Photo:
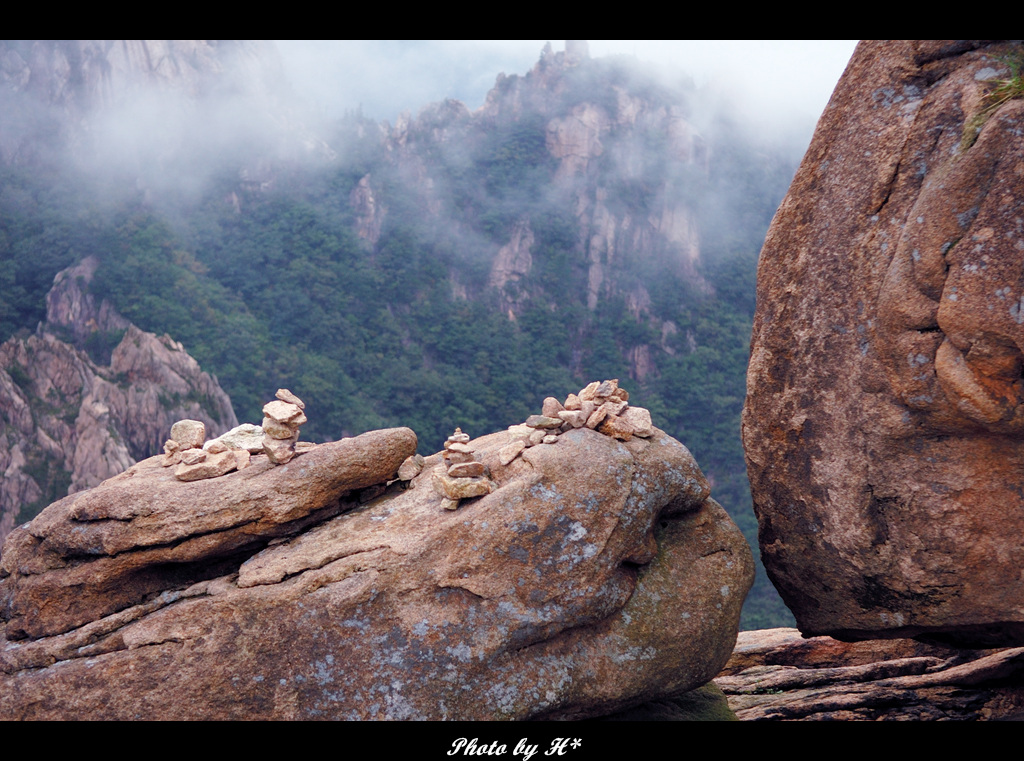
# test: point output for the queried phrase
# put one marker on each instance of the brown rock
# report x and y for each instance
(574, 418)
(280, 451)
(103, 550)
(615, 406)
(597, 417)
(287, 396)
(884, 410)
(452, 457)
(189, 434)
(509, 452)
(462, 488)
(458, 437)
(410, 468)
(284, 412)
(640, 421)
(618, 427)
(551, 407)
(211, 465)
(172, 453)
(543, 421)
(276, 430)
(521, 431)
(590, 392)
(597, 576)
(466, 470)
(193, 456)
(777, 675)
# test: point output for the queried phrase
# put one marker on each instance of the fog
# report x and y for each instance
(175, 134)
(775, 82)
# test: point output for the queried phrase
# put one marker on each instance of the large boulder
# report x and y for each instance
(885, 407)
(597, 575)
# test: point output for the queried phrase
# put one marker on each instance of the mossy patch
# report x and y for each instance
(1003, 90)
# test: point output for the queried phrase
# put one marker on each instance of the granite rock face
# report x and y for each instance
(885, 408)
(596, 576)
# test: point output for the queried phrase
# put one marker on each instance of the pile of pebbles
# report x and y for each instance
(282, 419)
(194, 461)
(278, 438)
(464, 475)
(601, 406)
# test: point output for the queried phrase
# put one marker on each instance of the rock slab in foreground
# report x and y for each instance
(144, 531)
(776, 675)
(885, 406)
(597, 576)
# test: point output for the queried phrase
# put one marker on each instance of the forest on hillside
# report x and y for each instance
(270, 285)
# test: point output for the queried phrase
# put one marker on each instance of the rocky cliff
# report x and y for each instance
(885, 401)
(593, 140)
(70, 422)
(590, 573)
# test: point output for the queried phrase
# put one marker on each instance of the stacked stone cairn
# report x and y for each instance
(601, 406)
(194, 462)
(278, 438)
(282, 419)
(464, 475)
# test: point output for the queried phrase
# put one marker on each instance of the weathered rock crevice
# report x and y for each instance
(776, 675)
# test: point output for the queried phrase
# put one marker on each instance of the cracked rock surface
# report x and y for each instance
(598, 575)
(777, 675)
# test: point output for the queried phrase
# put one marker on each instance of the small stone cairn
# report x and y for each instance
(186, 449)
(601, 406)
(464, 475)
(282, 419)
(278, 438)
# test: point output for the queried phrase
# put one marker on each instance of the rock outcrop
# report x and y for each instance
(885, 407)
(597, 575)
(776, 675)
(620, 159)
(69, 423)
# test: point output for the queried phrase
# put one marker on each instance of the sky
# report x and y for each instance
(775, 81)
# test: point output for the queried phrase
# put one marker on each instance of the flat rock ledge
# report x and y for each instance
(598, 575)
(777, 675)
